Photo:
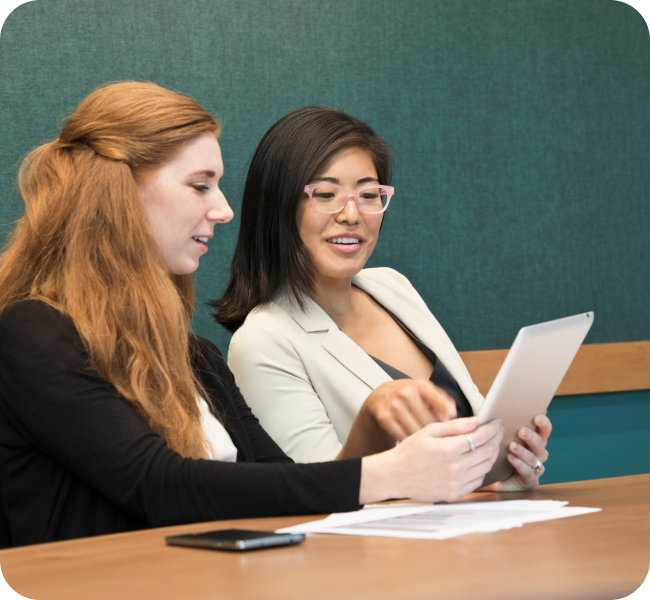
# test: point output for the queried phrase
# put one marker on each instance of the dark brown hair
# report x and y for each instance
(270, 256)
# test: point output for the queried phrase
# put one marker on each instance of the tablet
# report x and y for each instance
(528, 379)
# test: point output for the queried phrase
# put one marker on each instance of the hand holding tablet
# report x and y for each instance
(524, 387)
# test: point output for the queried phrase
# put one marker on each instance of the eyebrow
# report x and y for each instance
(205, 172)
(337, 181)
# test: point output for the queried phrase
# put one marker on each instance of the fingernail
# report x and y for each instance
(523, 433)
(512, 446)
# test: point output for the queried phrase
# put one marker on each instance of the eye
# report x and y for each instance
(200, 187)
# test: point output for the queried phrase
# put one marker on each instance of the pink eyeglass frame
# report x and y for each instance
(309, 190)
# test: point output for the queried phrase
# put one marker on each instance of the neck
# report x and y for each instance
(334, 296)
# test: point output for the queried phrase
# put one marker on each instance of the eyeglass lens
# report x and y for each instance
(330, 198)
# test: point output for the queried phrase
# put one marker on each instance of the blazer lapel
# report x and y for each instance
(353, 358)
(320, 327)
(323, 331)
(427, 329)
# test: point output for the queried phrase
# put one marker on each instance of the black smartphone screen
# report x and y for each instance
(235, 539)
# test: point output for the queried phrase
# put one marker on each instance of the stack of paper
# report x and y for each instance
(439, 521)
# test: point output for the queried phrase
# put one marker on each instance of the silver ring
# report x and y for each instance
(472, 447)
(538, 467)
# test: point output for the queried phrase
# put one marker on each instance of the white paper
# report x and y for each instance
(439, 521)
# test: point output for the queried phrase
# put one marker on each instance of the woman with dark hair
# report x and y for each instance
(336, 360)
(113, 416)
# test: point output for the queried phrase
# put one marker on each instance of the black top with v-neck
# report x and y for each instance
(440, 376)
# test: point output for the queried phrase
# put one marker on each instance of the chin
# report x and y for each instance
(344, 272)
(186, 269)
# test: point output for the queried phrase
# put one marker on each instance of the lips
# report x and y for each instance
(346, 244)
(201, 241)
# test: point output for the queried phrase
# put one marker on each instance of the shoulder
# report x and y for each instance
(40, 344)
(389, 278)
(26, 313)
(393, 290)
(269, 336)
(384, 275)
(265, 325)
(35, 325)
(274, 315)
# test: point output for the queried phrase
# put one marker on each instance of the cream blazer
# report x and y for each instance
(306, 380)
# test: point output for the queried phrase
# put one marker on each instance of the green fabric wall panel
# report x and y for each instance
(522, 130)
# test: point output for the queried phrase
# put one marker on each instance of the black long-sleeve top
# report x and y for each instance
(76, 460)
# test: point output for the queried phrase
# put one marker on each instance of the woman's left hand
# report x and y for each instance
(525, 459)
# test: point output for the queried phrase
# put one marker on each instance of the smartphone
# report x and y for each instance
(236, 540)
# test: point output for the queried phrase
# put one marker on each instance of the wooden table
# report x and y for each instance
(600, 555)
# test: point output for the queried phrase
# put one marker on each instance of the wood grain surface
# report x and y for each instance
(603, 555)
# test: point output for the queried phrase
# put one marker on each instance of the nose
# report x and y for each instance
(349, 213)
(220, 211)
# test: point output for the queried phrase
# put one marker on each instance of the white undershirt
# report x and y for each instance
(221, 445)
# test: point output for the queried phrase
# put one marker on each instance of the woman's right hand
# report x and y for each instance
(392, 412)
(403, 407)
(434, 464)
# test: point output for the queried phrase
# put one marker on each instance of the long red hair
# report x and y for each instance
(84, 247)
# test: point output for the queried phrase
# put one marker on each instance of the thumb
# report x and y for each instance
(454, 427)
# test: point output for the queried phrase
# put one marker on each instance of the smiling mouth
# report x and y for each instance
(344, 241)
(203, 240)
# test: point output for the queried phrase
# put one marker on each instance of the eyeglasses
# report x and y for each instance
(330, 198)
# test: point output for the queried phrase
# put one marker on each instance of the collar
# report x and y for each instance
(314, 319)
